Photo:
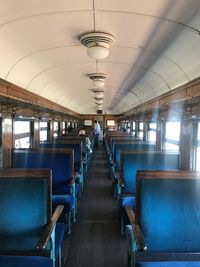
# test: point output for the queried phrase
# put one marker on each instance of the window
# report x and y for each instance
(197, 158)
(88, 122)
(172, 135)
(63, 127)
(133, 128)
(22, 134)
(43, 131)
(152, 132)
(140, 130)
(110, 122)
(55, 127)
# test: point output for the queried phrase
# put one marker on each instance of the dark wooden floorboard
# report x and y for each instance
(96, 239)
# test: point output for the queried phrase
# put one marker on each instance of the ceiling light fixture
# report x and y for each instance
(99, 101)
(98, 79)
(97, 43)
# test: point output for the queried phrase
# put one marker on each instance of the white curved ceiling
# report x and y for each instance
(157, 48)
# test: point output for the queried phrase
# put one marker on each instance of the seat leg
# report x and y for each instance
(68, 222)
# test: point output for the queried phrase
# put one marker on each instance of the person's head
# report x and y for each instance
(95, 121)
(81, 132)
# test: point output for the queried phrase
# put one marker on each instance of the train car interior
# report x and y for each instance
(99, 133)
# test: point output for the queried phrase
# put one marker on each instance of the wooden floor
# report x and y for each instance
(96, 239)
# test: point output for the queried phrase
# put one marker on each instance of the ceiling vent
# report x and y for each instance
(97, 44)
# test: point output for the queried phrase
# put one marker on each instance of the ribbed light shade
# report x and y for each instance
(99, 101)
(99, 94)
(97, 52)
(98, 83)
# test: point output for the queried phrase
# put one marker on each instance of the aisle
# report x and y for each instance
(96, 239)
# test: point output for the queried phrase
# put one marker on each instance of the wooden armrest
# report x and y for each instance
(49, 228)
(139, 238)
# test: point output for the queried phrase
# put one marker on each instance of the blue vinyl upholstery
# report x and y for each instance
(77, 147)
(141, 161)
(26, 210)
(24, 213)
(168, 214)
(61, 164)
(128, 147)
(25, 261)
(152, 160)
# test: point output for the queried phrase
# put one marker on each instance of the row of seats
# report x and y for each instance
(42, 180)
(159, 207)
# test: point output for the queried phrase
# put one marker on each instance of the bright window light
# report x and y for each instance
(173, 130)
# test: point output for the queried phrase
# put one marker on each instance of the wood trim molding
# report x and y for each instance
(15, 92)
(183, 92)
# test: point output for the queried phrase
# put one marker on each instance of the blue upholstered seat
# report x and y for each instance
(167, 220)
(128, 201)
(25, 261)
(169, 264)
(27, 224)
(131, 161)
(66, 200)
(60, 161)
(77, 148)
(59, 234)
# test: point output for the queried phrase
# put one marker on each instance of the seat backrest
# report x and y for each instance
(122, 138)
(132, 161)
(75, 145)
(168, 210)
(128, 146)
(60, 161)
(25, 204)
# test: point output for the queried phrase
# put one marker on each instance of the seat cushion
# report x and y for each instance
(59, 234)
(128, 201)
(169, 264)
(24, 261)
(66, 200)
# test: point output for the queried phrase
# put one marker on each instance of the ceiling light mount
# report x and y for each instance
(97, 44)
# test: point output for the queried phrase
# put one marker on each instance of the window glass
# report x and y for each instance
(198, 149)
(22, 142)
(22, 134)
(43, 131)
(152, 132)
(55, 125)
(172, 135)
(152, 125)
(133, 125)
(173, 130)
(141, 126)
(110, 122)
(152, 136)
(21, 127)
(198, 159)
(140, 134)
(170, 146)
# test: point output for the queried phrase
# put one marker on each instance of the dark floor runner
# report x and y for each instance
(96, 239)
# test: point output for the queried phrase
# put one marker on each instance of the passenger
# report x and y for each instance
(97, 130)
(87, 140)
(70, 129)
